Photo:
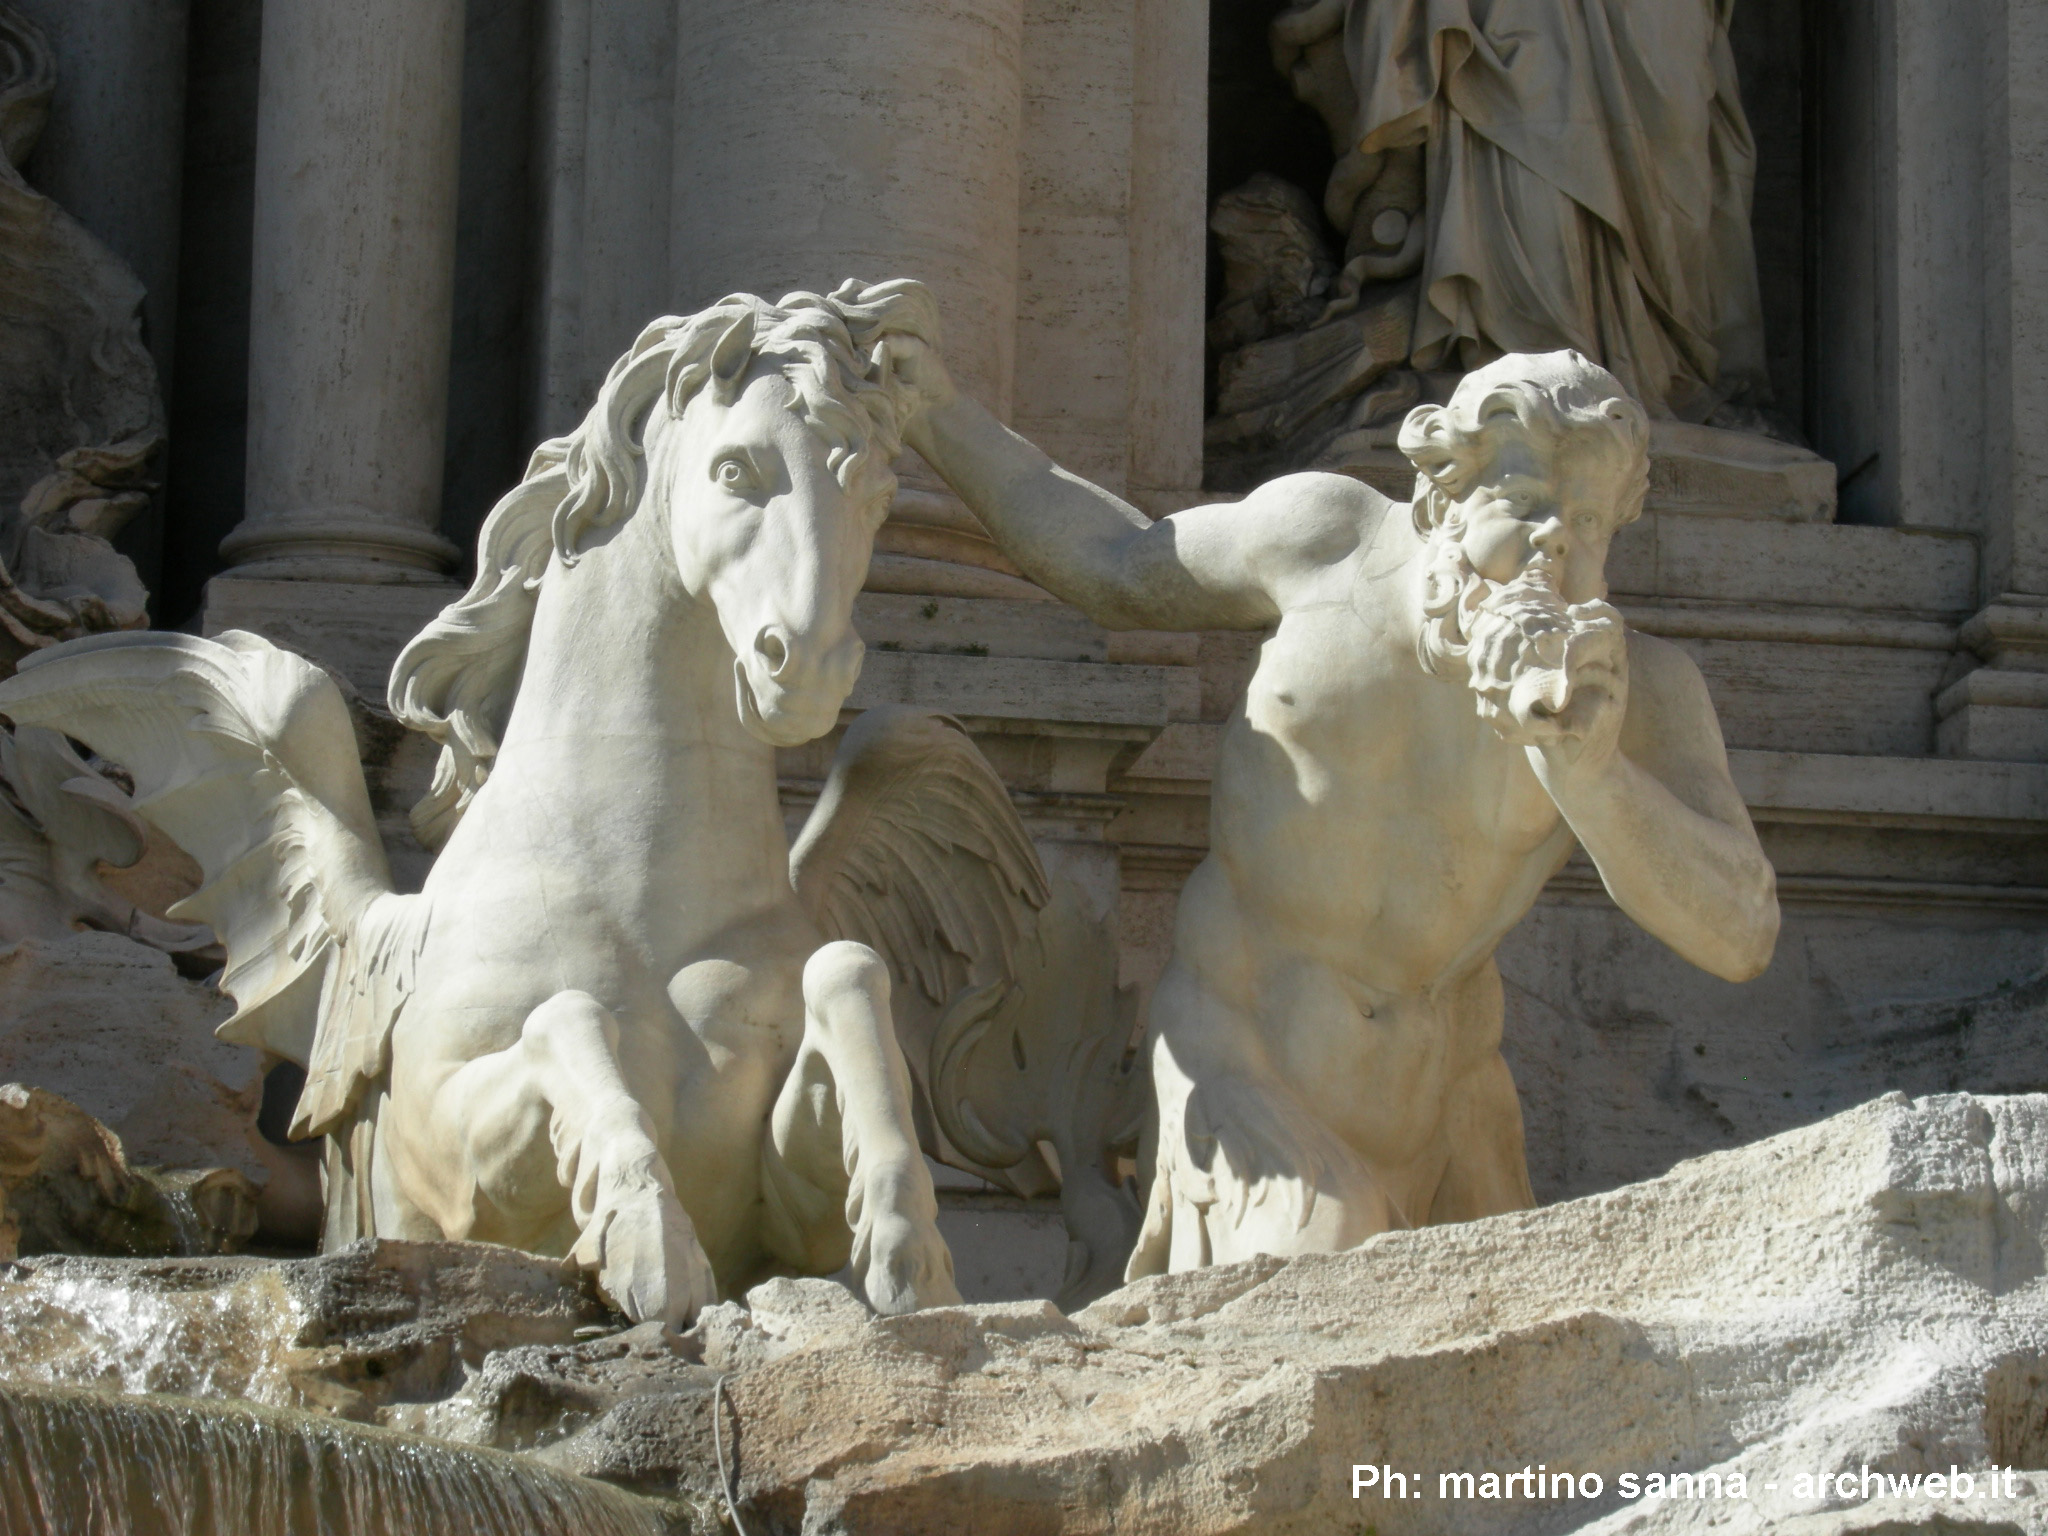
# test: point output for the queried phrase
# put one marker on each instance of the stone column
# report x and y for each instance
(358, 130)
(1932, 331)
(603, 139)
(1169, 215)
(1075, 362)
(2000, 709)
(822, 140)
(816, 140)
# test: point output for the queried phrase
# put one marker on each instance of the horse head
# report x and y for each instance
(762, 435)
(773, 468)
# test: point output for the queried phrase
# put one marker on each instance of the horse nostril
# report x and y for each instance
(773, 649)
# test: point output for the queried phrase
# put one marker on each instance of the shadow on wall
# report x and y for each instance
(1859, 1002)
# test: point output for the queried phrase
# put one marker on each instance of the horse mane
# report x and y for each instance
(458, 679)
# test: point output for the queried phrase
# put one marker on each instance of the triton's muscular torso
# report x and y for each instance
(1371, 840)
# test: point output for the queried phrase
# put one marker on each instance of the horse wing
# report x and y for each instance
(915, 850)
(245, 757)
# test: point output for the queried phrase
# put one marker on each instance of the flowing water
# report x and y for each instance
(85, 1463)
(220, 1330)
(145, 1400)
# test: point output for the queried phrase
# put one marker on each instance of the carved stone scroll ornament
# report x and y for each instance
(81, 423)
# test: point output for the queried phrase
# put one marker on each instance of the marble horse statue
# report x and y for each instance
(622, 1020)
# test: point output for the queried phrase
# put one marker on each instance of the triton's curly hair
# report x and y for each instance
(1549, 397)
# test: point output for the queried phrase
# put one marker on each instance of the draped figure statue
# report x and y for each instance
(1586, 173)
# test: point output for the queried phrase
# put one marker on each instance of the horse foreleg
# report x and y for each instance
(559, 1090)
(843, 1173)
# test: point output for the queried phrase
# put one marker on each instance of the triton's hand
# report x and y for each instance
(1549, 675)
(914, 365)
(1581, 739)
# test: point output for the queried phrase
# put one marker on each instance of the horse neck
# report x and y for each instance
(627, 736)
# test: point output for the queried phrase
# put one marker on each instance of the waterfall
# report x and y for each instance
(84, 1463)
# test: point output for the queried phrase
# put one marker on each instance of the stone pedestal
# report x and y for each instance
(358, 119)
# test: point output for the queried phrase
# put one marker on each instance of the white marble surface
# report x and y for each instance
(1444, 704)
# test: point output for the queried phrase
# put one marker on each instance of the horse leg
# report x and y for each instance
(842, 1173)
(558, 1091)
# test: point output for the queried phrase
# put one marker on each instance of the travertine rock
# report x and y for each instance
(1866, 1291)
(350, 1333)
(534, 1396)
(110, 1025)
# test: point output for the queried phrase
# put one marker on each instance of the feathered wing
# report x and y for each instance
(915, 850)
(244, 755)
(1005, 999)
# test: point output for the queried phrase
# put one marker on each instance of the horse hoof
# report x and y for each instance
(649, 1262)
(908, 1267)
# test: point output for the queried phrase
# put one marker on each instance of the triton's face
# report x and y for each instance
(1559, 507)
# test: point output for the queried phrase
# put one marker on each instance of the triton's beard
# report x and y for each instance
(1518, 644)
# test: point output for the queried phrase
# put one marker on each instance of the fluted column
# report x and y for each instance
(358, 130)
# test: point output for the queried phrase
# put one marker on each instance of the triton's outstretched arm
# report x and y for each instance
(1215, 567)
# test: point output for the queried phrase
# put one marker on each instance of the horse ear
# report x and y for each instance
(730, 356)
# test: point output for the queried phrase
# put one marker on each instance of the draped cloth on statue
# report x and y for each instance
(1590, 171)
